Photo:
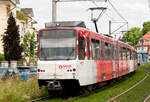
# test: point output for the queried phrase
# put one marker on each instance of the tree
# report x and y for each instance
(146, 27)
(2, 57)
(29, 46)
(20, 16)
(133, 36)
(11, 41)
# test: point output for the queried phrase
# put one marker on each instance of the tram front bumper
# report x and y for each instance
(54, 85)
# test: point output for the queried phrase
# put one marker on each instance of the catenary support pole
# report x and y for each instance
(54, 10)
(109, 27)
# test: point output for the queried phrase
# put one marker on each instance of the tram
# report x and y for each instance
(71, 56)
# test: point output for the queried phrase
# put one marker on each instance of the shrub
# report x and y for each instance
(2, 57)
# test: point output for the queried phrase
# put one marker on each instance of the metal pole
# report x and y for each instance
(54, 10)
(142, 44)
(95, 23)
(109, 27)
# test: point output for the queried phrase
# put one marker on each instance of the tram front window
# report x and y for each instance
(58, 44)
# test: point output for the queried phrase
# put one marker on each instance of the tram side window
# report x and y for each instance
(135, 55)
(132, 55)
(107, 51)
(120, 53)
(124, 53)
(115, 52)
(128, 54)
(95, 49)
(81, 48)
(88, 48)
(102, 50)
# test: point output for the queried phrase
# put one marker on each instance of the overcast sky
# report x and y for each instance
(134, 11)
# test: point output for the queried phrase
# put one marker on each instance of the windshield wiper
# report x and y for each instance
(43, 54)
(70, 54)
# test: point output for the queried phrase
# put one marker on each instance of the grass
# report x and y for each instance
(139, 93)
(111, 91)
(19, 91)
(114, 90)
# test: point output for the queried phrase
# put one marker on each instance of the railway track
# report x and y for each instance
(147, 99)
(116, 97)
(39, 99)
(95, 91)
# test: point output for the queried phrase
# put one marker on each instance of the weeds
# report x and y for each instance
(18, 91)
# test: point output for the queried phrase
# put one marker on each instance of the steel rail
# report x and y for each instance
(94, 91)
(147, 98)
(39, 99)
(116, 97)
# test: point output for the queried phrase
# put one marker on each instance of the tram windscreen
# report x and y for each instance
(58, 44)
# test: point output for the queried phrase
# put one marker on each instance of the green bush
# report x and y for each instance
(21, 61)
(2, 57)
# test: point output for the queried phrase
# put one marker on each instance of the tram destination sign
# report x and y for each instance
(80, 0)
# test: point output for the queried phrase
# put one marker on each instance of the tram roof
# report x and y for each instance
(65, 24)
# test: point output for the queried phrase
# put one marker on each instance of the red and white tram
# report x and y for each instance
(70, 55)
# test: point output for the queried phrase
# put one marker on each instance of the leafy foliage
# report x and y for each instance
(11, 40)
(29, 45)
(133, 36)
(146, 27)
(20, 16)
(2, 57)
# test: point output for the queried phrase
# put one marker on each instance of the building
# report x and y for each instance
(144, 43)
(29, 25)
(8, 6)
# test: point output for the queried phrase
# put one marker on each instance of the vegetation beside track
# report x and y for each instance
(140, 93)
(111, 91)
(19, 91)
(114, 89)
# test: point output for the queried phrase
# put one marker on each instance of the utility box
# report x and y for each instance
(4, 64)
(13, 64)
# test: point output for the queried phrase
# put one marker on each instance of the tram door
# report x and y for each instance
(87, 71)
(120, 69)
(115, 61)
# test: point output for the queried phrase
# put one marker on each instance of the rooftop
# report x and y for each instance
(146, 36)
(12, 1)
(28, 11)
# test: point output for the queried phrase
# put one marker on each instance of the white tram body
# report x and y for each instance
(82, 58)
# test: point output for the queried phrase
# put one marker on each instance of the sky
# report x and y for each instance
(134, 11)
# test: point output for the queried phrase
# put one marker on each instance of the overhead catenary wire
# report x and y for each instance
(117, 11)
(119, 28)
(79, 0)
(110, 17)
